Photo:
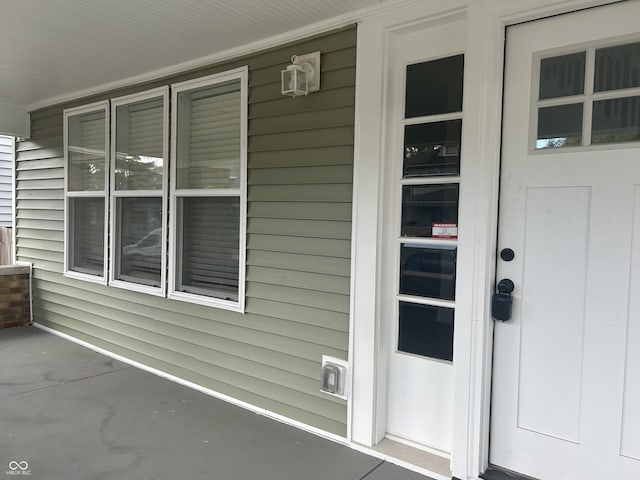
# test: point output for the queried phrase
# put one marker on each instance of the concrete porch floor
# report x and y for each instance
(72, 413)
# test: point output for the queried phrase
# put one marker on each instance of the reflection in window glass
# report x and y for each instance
(559, 126)
(208, 146)
(434, 87)
(139, 145)
(426, 330)
(428, 271)
(86, 152)
(562, 76)
(432, 149)
(424, 205)
(139, 255)
(616, 120)
(617, 67)
(86, 249)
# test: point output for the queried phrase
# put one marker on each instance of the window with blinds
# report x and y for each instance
(86, 130)
(138, 191)
(126, 196)
(208, 192)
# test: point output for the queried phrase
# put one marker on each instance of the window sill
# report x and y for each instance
(137, 287)
(206, 301)
(86, 277)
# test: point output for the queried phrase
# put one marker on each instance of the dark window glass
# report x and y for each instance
(428, 271)
(432, 149)
(424, 205)
(617, 67)
(139, 234)
(209, 244)
(616, 120)
(562, 76)
(86, 252)
(560, 126)
(426, 330)
(434, 87)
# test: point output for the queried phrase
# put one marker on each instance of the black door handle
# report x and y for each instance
(502, 301)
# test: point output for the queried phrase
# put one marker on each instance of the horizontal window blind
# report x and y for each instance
(209, 143)
(138, 194)
(210, 236)
(208, 190)
(139, 145)
(86, 153)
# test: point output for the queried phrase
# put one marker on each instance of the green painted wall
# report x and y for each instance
(298, 242)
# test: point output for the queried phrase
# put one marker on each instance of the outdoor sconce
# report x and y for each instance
(302, 76)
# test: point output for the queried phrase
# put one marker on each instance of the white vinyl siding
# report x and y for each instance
(6, 179)
(208, 190)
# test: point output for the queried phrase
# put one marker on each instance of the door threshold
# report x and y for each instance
(497, 473)
(426, 461)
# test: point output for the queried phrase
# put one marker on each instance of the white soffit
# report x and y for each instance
(50, 49)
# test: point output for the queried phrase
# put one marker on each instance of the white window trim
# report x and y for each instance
(114, 194)
(587, 98)
(239, 306)
(93, 107)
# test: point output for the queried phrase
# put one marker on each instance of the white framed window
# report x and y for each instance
(427, 244)
(586, 97)
(86, 133)
(139, 153)
(208, 190)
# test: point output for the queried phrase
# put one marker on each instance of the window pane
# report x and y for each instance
(616, 120)
(86, 235)
(139, 240)
(209, 246)
(426, 330)
(559, 126)
(86, 151)
(208, 153)
(562, 76)
(139, 145)
(434, 87)
(428, 271)
(617, 67)
(432, 149)
(424, 205)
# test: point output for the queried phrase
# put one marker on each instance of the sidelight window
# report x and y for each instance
(428, 231)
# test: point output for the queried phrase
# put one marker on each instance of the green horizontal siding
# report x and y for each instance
(298, 247)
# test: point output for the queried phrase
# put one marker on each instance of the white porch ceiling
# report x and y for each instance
(50, 49)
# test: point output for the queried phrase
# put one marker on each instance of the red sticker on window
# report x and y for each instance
(444, 230)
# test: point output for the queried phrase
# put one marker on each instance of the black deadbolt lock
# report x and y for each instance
(502, 300)
(507, 254)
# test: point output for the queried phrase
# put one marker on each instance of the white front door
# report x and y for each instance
(566, 384)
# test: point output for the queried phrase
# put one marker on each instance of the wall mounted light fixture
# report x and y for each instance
(302, 76)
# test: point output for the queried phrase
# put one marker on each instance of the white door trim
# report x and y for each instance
(486, 23)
